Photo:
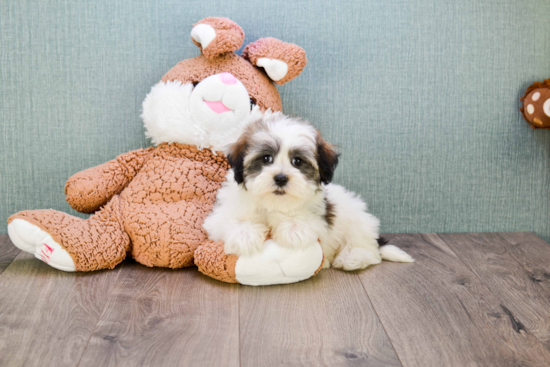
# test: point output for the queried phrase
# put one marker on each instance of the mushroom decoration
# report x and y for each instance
(536, 105)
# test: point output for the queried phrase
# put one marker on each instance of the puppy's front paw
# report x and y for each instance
(296, 235)
(246, 239)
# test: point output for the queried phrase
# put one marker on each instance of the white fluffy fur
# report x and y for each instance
(245, 213)
(176, 113)
(394, 253)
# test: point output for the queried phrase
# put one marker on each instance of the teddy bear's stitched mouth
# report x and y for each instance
(217, 107)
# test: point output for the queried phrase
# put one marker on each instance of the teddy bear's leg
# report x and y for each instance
(69, 243)
(212, 261)
(165, 235)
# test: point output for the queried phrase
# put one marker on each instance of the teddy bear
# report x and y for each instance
(151, 203)
(536, 105)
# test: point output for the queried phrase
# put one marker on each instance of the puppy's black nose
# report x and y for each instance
(280, 180)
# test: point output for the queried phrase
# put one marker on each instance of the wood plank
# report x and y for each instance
(164, 317)
(533, 253)
(438, 313)
(46, 315)
(493, 259)
(325, 321)
(8, 252)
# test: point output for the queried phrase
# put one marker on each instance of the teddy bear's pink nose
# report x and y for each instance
(228, 78)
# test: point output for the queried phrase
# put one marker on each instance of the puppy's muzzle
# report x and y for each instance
(280, 180)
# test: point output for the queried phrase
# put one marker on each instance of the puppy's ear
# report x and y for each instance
(235, 157)
(327, 159)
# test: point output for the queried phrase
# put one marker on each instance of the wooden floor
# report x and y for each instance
(468, 300)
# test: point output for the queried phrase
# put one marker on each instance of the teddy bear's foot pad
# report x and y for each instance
(279, 265)
(273, 265)
(30, 238)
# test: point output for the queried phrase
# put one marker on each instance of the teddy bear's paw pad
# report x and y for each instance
(54, 255)
(278, 265)
(30, 238)
(357, 258)
(25, 236)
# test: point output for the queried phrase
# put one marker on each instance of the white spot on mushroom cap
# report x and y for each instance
(546, 107)
(530, 109)
(536, 96)
(203, 34)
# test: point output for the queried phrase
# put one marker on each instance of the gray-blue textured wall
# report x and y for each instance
(421, 96)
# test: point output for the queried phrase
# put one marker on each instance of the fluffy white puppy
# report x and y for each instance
(279, 186)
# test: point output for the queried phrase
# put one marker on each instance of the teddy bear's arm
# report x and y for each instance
(92, 188)
(281, 61)
(216, 36)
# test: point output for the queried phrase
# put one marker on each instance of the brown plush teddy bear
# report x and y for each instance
(151, 202)
(536, 105)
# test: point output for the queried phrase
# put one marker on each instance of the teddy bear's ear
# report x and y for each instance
(281, 61)
(216, 36)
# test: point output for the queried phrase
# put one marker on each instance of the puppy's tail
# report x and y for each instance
(393, 253)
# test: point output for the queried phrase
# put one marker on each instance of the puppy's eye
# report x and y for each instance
(267, 159)
(297, 162)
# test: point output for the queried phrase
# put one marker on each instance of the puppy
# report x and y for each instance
(279, 186)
